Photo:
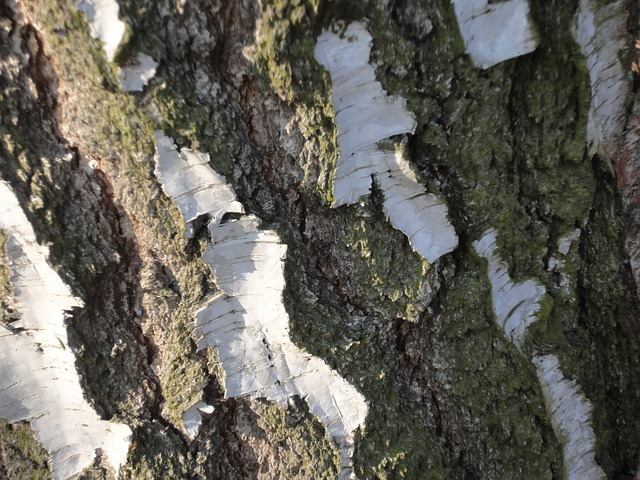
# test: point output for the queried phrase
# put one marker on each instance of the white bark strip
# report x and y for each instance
(515, 306)
(570, 415)
(194, 187)
(38, 379)
(495, 33)
(247, 322)
(600, 30)
(366, 115)
(364, 112)
(104, 23)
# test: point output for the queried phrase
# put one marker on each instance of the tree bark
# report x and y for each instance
(506, 148)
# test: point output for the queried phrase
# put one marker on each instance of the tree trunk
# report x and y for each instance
(540, 198)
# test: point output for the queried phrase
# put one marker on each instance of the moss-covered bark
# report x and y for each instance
(22, 456)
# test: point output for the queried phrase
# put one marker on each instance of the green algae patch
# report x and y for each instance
(400, 439)
(379, 264)
(283, 55)
(304, 449)
(157, 452)
(604, 337)
(109, 128)
(6, 290)
(492, 385)
(173, 287)
(22, 455)
(182, 371)
(196, 124)
(527, 174)
(182, 385)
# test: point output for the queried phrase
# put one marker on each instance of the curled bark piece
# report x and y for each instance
(421, 216)
(133, 78)
(193, 186)
(515, 304)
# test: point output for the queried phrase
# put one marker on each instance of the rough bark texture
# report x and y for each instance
(449, 396)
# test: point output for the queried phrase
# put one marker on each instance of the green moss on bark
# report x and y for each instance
(109, 126)
(157, 452)
(527, 174)
(400, 436)
(304, 449)
(452, 139)
(21, 454)
(283, 55)
(494, 386)
(6, 290)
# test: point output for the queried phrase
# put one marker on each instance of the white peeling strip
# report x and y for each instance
(493, 33)
(366, 115)
(247, 322)
(570, 415)
(515, 304)
(189, 181)
(133, 78)
(364, 112)
(421, 216)
(250, 327)
(38, 379)
(353, 178)
(600, 30)
(104, 23)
